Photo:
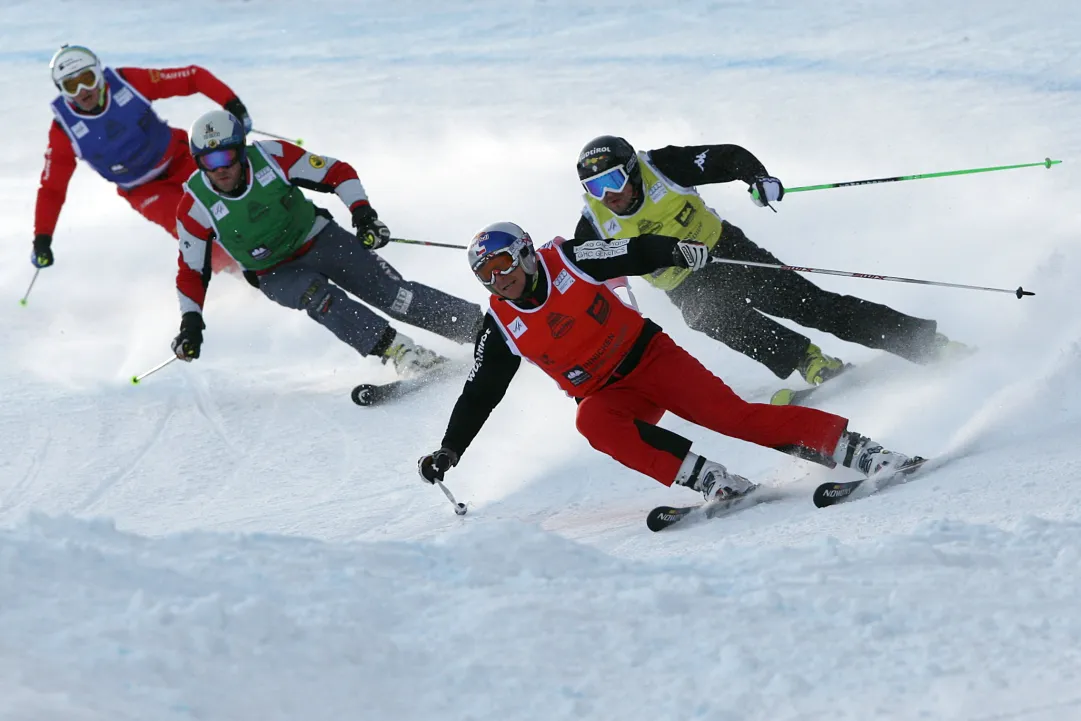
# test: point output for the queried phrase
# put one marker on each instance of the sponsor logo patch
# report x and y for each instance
(577, 376)
(156, 76)
(700, 160)
(657, 191)
(261, 252)
(123, 97)
(560, 324)
(612, 228)
(317, 162)
(645, 225)
(80, 129)
(686, 214)
(599, 249)
(517, 328)
(403, 300)
(218, 210)
(563, 281)
(599, 309)
(265, 176)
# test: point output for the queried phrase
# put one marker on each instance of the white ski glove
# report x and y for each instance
(690, 254)
(766, 190)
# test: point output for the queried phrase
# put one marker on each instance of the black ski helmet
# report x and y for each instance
(606, 152)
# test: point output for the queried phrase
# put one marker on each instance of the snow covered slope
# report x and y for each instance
(235, 540)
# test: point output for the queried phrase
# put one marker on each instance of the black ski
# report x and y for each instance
(370, 394)
(662, 517)
(829, 494)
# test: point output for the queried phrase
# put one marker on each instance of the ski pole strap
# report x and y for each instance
(427, 242)
(1046, 162)
(297, 141)
(1019, 292)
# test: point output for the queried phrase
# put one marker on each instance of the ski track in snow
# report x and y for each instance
(234, 539)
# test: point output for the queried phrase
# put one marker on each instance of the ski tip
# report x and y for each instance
(662, 517)
(828, 494)
(363, 395)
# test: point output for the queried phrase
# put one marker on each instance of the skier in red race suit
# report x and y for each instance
(553, 307)
(104, 116)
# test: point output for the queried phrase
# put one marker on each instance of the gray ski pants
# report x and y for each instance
(317, 282)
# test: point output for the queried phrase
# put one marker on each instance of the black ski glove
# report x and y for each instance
(432, 466)
(234, 106)
(42, 257)
(690, 254)
(371, 231)
(187, 343)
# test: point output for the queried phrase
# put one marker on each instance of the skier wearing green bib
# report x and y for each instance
(246, 198)
(631, 193)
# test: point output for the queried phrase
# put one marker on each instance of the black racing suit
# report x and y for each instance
(731, 303)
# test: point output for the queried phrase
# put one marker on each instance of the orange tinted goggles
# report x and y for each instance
(501, 263)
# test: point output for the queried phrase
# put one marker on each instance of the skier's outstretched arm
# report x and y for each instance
(690, 165)
(494, 366)
(607, 259)
(324, 174)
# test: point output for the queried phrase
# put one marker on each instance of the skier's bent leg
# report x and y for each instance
(620, 423)
(712, 304)
(302, 288)
(788, 294)
(365, 274)
(675, 380)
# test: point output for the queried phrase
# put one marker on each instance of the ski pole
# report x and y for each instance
(459, 508)
(1047, 163)
(298, 141)
(135, 379)
(1020, 292)
(22, 301)
(426, 242)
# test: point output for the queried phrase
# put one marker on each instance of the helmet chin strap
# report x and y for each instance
(636, 198)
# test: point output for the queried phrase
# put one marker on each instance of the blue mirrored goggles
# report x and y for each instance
(610, 181)
(218, 159)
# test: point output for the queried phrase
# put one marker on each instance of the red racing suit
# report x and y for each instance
(155, 200)
(633, 371)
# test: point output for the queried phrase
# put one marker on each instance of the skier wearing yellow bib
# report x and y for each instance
(631, 193)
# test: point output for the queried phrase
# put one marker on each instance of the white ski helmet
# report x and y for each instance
(74, 67)
(501, 239)
(216, 132)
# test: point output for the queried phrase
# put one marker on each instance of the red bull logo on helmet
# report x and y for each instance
(478, 242)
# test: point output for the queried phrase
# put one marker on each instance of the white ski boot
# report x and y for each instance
(712, 479)
(869, 457)
(410, 359)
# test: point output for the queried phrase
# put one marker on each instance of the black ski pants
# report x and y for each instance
(731, 303)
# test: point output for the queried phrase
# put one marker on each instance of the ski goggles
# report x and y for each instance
(217, 159)
(502, 262)
(73, 84)
(610, 181)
